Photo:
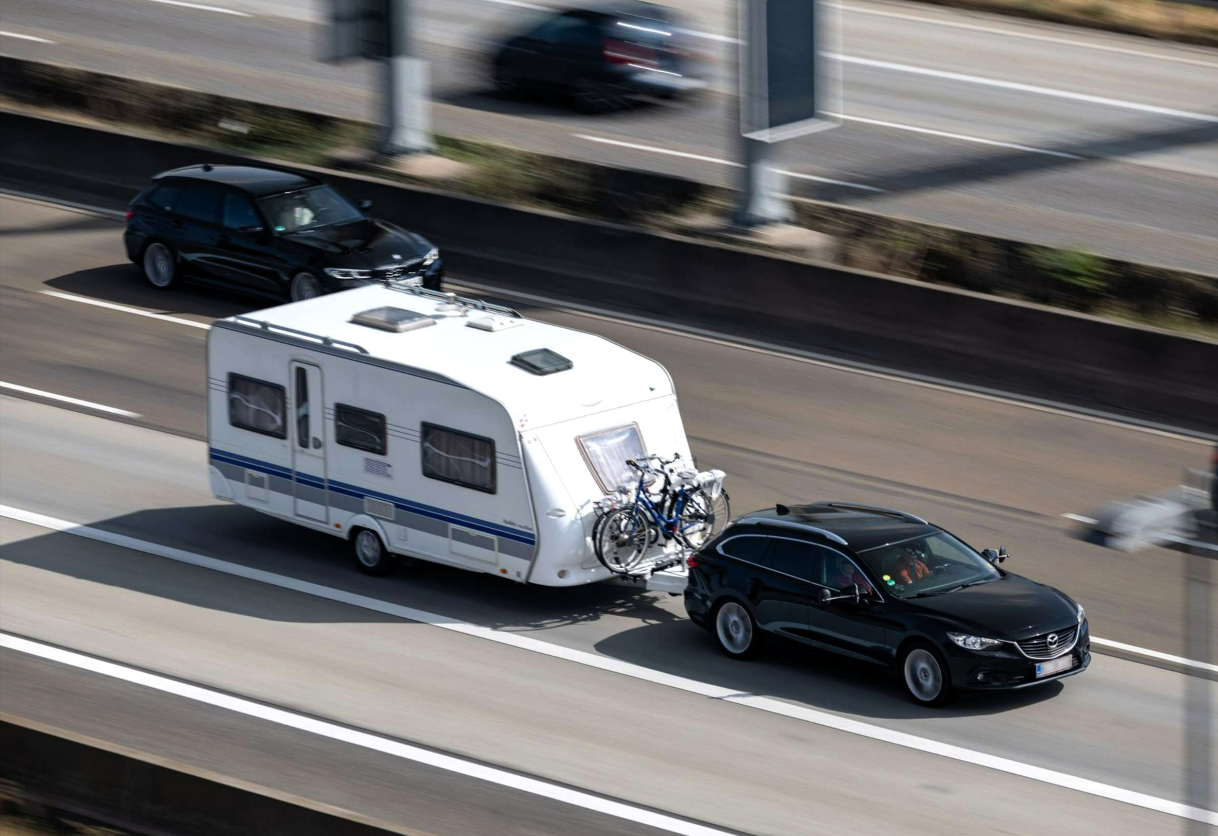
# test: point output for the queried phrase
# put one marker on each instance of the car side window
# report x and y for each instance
(558, 29)
(239, 212)
(164, 197)
(746, 547)
(797, 559)
(201, 202)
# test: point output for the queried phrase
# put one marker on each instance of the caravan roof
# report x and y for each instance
(474, 349)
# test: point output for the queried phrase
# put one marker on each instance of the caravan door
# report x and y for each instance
(309, 494)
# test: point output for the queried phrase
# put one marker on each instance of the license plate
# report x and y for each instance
(1053, 666)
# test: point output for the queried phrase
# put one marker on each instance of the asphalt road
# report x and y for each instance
(1057, 136)
(992, 471)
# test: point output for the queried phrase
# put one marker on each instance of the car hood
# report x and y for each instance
(366, 243)
(1008, 608)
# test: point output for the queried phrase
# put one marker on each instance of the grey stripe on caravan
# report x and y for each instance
(355, 505)
(336, 352)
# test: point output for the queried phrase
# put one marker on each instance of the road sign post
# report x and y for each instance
(787, 86)
(382, 30)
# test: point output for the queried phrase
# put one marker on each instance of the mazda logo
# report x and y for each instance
(397, 257)
(1052, 639)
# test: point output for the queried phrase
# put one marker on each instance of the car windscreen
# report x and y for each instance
(308, 209)
(933, 564)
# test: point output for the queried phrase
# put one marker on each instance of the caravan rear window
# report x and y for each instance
(457, 457)
(257, 406)
(606, 453)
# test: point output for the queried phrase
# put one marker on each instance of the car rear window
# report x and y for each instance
(200, 201)
(164, 197)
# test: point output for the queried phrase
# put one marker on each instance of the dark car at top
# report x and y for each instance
(886, 590)
(268, 230)
(600, 55)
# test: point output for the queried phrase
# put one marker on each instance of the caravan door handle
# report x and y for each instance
(316, 443)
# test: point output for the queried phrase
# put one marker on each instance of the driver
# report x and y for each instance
(845, 574)
(910, 565)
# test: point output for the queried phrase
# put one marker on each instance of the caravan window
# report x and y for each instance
(606, 453)
(257, 406)
(359, 428)
(457, 457)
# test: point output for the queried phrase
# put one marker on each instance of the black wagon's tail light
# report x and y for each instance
(130, 214)
(693, 560)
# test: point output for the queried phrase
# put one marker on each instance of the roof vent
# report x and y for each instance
(781, 510)
(392, 319)
(541, 361)
(493, 322)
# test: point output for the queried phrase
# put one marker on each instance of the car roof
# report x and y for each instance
(862, 528)
(625, 9)
(255, 180)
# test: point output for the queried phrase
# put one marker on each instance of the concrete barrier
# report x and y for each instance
(1017, 347)
(126, 789)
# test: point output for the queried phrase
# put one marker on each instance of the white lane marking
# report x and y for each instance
(21, 37)
(1154, 654)
(592, 660)
(1010, 33)
(202, 8)
(517, 4)
(948, 135)
(717, 161)
(65, 399)
(1028, 88)
(111, 306)
(812, 358)
(365, 740)
(1080, 519)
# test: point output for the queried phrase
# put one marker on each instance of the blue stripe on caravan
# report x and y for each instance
(359, 493)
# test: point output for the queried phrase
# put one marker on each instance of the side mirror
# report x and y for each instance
(365, 204)
(850, 593)
(990, 555)
(1002, 553)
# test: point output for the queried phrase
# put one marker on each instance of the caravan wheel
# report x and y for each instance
(370, 553)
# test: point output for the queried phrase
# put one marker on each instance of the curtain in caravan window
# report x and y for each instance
(607, 452)
(458, 457)
(257, 406)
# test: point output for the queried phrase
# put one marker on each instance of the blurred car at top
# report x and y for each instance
(270, 231)
(601, 56)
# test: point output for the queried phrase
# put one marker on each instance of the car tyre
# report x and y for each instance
(593, 97)
(927, 677)
(370, 553)
(507, 80)
(304, 286)
(736, 630)
(160, 266)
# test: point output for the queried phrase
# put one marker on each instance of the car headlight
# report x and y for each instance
(347, 273)
(1082, 614)
(973, 642)
(432, 255)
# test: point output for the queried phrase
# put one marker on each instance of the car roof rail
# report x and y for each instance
(837, 538)
(877, 509)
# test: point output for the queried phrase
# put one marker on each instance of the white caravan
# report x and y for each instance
(421, 424)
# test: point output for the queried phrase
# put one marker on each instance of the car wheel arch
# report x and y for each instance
(910, 638)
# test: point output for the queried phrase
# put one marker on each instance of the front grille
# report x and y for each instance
(398, 270)
(1039, 647)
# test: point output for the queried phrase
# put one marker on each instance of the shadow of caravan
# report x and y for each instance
(417, 424)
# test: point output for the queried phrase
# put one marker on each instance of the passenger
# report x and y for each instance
(909, 566)
(845, 574)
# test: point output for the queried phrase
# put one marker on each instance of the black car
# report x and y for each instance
(267, 230)
(887, 590)
(600, 56)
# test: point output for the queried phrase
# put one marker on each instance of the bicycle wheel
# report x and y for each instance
(703, 517)
(622, 540)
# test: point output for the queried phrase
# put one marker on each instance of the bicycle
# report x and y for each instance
(696, 510)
